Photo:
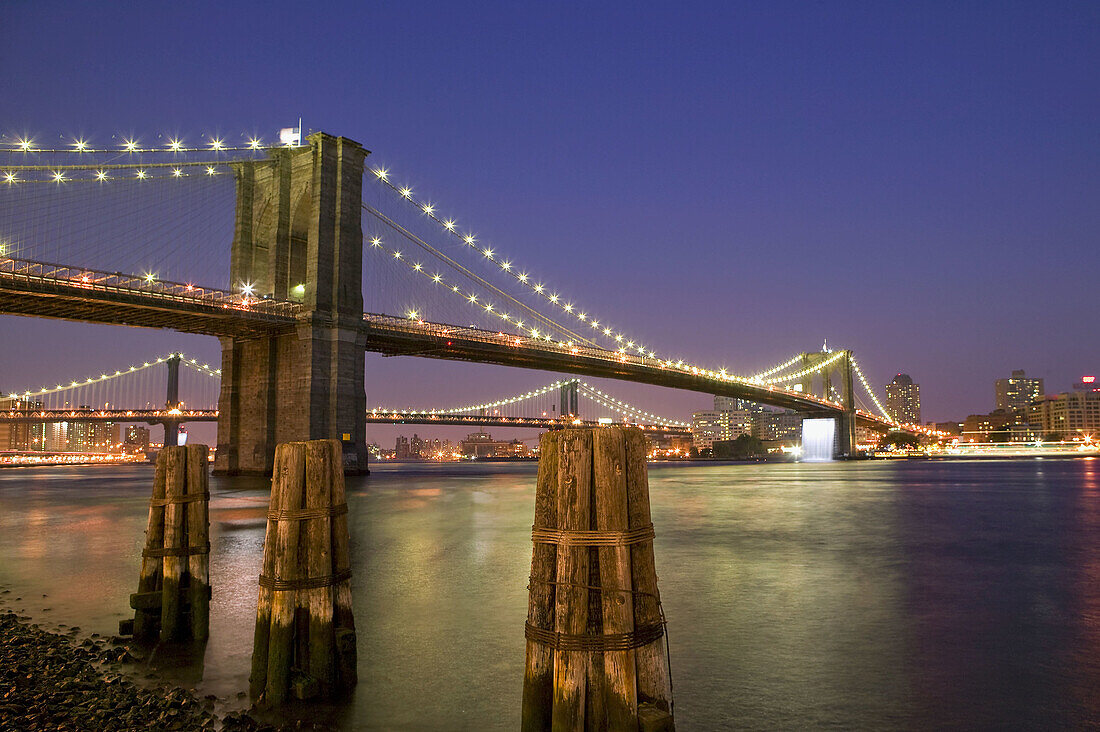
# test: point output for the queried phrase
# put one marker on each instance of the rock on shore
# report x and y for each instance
(50, 682)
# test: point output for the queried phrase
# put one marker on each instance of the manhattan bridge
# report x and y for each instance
(301, 257)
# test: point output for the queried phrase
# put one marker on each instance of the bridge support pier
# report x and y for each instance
(298, 236)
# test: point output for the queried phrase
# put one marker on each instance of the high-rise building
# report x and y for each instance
(903, 399)
(137, 438)
(1017, 392)
(709, 426)
(1071, 414)
(773, 425)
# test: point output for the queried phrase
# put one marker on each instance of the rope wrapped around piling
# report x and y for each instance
(563, 537)
(308, 583)
(601, 642)
(305, 514)
(177, 551)
(172, 500)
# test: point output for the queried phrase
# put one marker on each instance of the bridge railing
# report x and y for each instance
(101, 281)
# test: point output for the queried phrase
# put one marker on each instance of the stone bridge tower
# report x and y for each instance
(298, 237)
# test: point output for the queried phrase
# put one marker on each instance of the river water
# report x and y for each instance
(871, 595)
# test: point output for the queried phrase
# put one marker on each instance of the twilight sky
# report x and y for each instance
(732, 181)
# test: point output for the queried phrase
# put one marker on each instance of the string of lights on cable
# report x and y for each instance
(190, 362)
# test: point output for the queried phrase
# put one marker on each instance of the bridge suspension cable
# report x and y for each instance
(871, 393)
(191, 363)
(449, 226)
(584, 389)
(376, 242)
(82, 146)
(470, 240)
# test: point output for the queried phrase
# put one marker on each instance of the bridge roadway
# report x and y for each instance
(81, 294)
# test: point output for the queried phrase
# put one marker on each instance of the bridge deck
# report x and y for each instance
(71, 293)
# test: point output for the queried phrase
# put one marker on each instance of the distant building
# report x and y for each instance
(1069, 414)
(731, 404)
(1017, 392)
(712, 425)
(22, 436)
(136, 439)
(903, 399)
(785, 425)
(401, 448)
(482, 445)
(93, 436)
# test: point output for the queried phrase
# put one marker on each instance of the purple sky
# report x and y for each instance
(731, 181)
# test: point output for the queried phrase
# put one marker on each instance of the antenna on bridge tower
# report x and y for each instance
(825, 346)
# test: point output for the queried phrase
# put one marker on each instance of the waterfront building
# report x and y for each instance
(1071, 414)
(711, 425)
(769, 425)
(482, 445)
(136, 438)
(979, 427)
(706, 427)
(903, 399)
(1017, 392)
(731, 404)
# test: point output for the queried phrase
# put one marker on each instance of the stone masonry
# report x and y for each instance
(298, 237)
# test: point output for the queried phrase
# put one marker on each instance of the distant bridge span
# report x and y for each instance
(180, 416)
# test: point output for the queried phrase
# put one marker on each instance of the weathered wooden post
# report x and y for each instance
(595, 633)
(172, 601)
(305, 631)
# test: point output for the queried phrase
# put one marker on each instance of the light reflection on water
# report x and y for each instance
(867, 595)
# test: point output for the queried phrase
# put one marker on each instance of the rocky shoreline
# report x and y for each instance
(54, 681)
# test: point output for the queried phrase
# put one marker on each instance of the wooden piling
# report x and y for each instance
(198, 535)
(538, 678)
(620, 692)
(304, 643)
(174, 534)
(571, 596)
(172, 601)
(347, 667)
(283, 605)
(145, 622)
(654, 683)
(317, 601)
(587, 628)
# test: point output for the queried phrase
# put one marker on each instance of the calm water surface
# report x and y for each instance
(858, 595)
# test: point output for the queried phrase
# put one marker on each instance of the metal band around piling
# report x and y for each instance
(637, 638)
(308, 583)
(172, 500)
(305, 514)
(176, 551)
(563, 537)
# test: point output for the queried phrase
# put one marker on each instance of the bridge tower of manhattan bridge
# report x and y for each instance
(299, 237)
(846, 423)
